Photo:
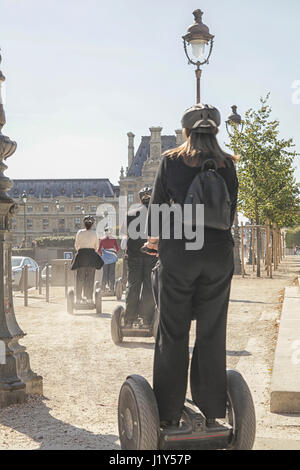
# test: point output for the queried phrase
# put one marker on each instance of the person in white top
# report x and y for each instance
(86, 260)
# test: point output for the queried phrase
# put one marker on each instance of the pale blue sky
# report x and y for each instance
(82, 73)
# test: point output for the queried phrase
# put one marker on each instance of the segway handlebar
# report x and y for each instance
(147, 250)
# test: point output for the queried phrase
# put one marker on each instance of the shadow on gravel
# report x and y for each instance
(34, 420)
(93, 315)
(136, 345)
(238, 353)
(251, 302)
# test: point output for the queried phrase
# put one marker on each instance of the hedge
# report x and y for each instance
(59, 242)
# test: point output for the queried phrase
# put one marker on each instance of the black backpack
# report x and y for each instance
(210, 189)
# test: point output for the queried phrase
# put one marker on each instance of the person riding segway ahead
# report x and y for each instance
(85, 263)
(194, 281)
(138, 318)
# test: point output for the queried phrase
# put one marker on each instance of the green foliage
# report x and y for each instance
(59, 242)
(292, 237)
(267, 186)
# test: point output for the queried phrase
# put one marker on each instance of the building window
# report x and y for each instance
(77, 223)
(61, 208)
(77, 208)
(45, 224)
(29, 209)
(93, 209)
(61, 222)
(130, 197)
(46, 209)
(29, 223)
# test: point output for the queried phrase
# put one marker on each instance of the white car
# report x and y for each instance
(18, 262)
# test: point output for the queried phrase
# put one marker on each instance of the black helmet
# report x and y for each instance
(145, 194)
(202, 118)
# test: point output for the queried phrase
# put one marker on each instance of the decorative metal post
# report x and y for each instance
(16, 377)
(234, 123)
(201, 42)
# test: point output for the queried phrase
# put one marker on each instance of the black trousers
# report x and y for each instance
(85, 282)
(108, 277)
(192, 285)
(139, 296)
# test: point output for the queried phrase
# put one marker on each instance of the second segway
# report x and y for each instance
(119, 330)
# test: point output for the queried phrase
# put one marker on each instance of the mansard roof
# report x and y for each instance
(50, 188)
(143, 152)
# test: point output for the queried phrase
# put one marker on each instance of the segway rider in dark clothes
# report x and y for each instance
(139, 296)
(86, 260)
(193, 284)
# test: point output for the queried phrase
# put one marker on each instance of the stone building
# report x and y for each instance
(142, 165)
(43, 218)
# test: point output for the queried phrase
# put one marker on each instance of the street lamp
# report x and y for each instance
(234, 123)
(24, 200)
(83, 210)
(16, 376)
(201, 42)
(57, 205)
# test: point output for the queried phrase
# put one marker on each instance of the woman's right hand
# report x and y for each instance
(151, 244)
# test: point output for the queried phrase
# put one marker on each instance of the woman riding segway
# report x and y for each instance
(86, 260)
(194, 284)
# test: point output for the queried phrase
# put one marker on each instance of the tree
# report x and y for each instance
(267, 186)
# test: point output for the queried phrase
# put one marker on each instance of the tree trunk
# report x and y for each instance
(258, 240)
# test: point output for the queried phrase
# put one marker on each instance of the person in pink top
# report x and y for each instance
(108, 245)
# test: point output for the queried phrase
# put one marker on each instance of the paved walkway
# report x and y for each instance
(83, 370)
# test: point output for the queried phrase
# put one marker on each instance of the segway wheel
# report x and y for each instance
(118, 289)
(138, 415)
(70, 302)
(98, 301)
(241, 412)
(116, 332)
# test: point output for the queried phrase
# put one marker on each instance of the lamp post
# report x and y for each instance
(201, 42)
(234, 123)
(16, 377)
(24, 200)
(83, 210)
(57, 205)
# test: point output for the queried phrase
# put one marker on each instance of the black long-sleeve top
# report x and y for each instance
(172, 182)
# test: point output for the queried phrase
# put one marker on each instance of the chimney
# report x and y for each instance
(130, 136)
(179, 137)
(155, 143)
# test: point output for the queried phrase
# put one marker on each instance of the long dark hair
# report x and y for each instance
(198, 147)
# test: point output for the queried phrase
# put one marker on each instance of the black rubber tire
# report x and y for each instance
(155, 323)
(118, 289)
(138, 416)
(70, 302)
(98, 301)
(241, 412)
(116, 332)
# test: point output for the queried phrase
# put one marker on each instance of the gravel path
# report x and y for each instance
(83, 370)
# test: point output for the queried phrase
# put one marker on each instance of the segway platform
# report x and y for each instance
(139, 422)
(96, 305)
